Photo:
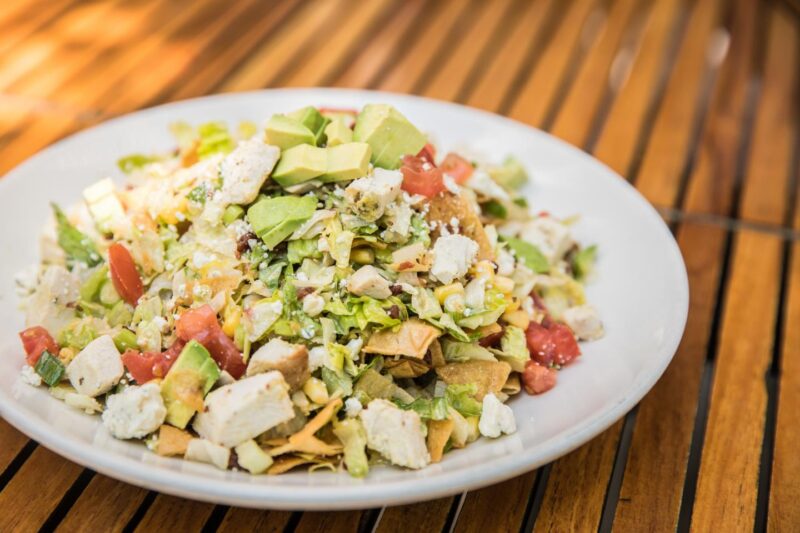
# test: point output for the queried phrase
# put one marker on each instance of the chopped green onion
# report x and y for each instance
(125, 340)
(49, 368)
(495, 209)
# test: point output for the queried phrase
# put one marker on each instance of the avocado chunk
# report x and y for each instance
(511, 175)
(274, 219)
(299, 164)
(192, 374)
(337, 132)
(312, 119)
(285, 132)
(347, 162)
(389, 133)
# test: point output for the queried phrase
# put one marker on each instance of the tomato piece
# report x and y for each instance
(457, 167)
(428, 154)
(537, 378)
(540, 343)
(421, 177)
(35, 341)
(124, 275)
(566, 347)
(201, 325)
(150, 365)
(334, 110)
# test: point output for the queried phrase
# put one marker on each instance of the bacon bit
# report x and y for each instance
(491, 340)
(243, 244)
(393, 311)
(405, 265)
(302, 292)
(396, 289)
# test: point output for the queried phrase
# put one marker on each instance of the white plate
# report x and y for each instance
(641, 291)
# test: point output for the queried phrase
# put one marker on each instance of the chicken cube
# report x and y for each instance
(395, 433)
(245, 409)
(97, 367)
(245, 170)
(584, 321)
(204, 451)
(368, 197)
(367, 281)
(291, 360)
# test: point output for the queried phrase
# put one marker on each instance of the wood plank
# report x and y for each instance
(239, 519)
(766, 188)
(23, 142)
(784, 513)
(39, 485)
(324, 522)
(105, 505)
(13, 442)
(430, 516)
(540, 90)
(467, 53)
(574, 122)
(728, 478)
(497, 508)
(347, 33)
(655, 471)
(406, 73)
(503, 69)
(668, 148)
(170, 513)
(622, 132)
(363, 70)
(32, 21)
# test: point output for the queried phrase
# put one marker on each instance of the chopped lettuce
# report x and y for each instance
(77, 246)
(460, 352)
(133, 162)
(462, 399)
(337, 383)
(354, 440)
(426, 408)
(213, 138)
(529, 254)
(301, 248)
(513, 348)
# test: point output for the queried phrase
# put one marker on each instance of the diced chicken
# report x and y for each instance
(246, 169)
(204, 451)
(135, 412)
(291, 360)
(240, 411)
(584, 321)
(368, 197)
(398, 222)
(550, 236)
(496, 418)
(367, 281)
(48, 305)
(395, 433)
(97, 368)
(313, 304)
(452, 257)
(484, 185)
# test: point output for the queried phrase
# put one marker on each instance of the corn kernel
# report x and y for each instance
(483, 268)
(504, 284)
(443, 292)
(455, 303)
(362, 256)
(513, 304)
(518, 318)
(316, 391)
(231, 319)
(66, 355)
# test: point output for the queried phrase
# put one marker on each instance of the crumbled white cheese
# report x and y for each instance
(483, 184)
(584, 321)
(352, 407)
(496, 418)
(452, 257)
(368, 197)
(135, 412)
(30, 376)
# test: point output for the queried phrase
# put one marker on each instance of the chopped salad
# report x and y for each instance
(325, 290)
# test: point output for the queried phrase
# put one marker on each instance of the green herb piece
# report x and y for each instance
(90, 289)
(49, 368)
(495, 209)
(125, 339)
(528, 254)
(77, 246)
(231, 213)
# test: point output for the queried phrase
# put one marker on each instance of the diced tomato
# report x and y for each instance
(342, 110)
(566, 347)
(421, 177)
(537, 378)
(124, 275)
(35, 341)
(201, 325)
(428, 153)
(150, 365)
(540, 343)
(457, 167)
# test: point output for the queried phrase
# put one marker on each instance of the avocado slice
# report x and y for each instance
(312, 119)
(511, 175)
(337, 132)
(300, 163)
(193, 370)
(285, 132)
(274, 219)
(347, 162)
(389, 133)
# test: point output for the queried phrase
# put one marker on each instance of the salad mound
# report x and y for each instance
(324, 291)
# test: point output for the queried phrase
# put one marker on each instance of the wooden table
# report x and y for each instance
(694, 101)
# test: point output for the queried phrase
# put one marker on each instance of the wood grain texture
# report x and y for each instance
(496, 508)
(104, 505)
(239, 519)
(428, 516)
(344, 521)
(170, 513)
(728, 478)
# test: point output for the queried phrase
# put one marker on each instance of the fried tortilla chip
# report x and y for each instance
(406, 367)
(288, 462)
(488, 376)
(305, 441)
(446, 206)
(412, 339)
(512, 385)
(439, 432)
(172, 441)
(437, 357)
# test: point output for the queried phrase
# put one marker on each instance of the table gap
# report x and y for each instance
(452, 514)
(215, 519)
(618, 472)
(140, 513)
(536, 498)
(68, 500)
(17, 463)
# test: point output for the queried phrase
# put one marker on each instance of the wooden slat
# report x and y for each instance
(668, 148)
(339, 521)
(728, 479)
(38, 487)
(430, 516)
(104, 505)
(41, 131)
(169, 513)
(574, 122)
(239, 519)
(498, 508)
(765, 192)
(13, 442)
(540, 90)
(465, 54)
(33, 20)
(362, 71)
(626, 120)
(653, 482)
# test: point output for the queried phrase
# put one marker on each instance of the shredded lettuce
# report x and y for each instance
(337, 383)
(462, 399)
(301, 248)
(460, 352)
(77, 246)
(426, 408)
(354, 439)
(214, 138)
(513, 348)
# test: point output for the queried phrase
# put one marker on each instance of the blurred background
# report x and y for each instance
(695, 102)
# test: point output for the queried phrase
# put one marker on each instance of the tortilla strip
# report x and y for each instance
(445, 206)
(437, 357)
(512, 385)
(284, 464)
(305, 441)
(439, 432)
(406, 367)
(488, 376)
(172, 441)
(412, 339)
